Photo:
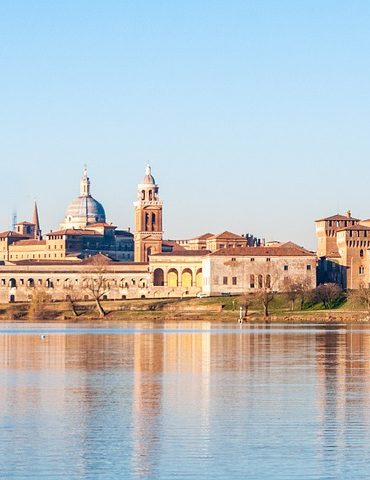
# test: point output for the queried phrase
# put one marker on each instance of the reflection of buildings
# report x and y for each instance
(141, 391)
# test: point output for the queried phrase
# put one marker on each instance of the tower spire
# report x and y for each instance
(36, 221)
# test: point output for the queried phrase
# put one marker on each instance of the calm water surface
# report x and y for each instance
(187, 400)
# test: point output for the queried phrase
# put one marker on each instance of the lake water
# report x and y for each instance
(190, 400)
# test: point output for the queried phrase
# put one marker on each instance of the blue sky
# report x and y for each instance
(253, 114)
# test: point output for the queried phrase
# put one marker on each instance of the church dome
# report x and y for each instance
(88, 208)
(84, 210)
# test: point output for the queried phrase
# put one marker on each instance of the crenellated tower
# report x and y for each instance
(148, 219)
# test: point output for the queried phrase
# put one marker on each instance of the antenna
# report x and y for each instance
(14, 220)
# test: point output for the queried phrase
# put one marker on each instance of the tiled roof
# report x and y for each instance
(204, 236)
(226, 234)
(289, 251)
(355, 227)
(74, 231)
(10, 233)
(182, 253)
(337, 217)
(99, 258)
(25, 223)
(31, 241)
(175, 246)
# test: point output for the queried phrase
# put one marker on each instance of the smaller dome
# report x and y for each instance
(149, 179)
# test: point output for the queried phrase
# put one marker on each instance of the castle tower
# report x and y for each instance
(148, 219)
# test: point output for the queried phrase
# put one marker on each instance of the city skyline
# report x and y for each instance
(252, 116)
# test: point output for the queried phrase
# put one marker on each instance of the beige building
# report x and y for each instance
(249, 269)
(343, 250)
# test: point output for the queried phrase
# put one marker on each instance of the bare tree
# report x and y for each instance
(73, 294)
(330, 294)
(297, 288)
(39, 298)
(361, 296)
(96, 284)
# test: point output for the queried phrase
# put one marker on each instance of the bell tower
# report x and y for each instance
(148, 219)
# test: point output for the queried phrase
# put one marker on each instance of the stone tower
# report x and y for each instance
(148, 219)
(37, 234)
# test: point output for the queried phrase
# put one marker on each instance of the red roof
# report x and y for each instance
(182, 253)
(204, 236)
(357, 227)
(338, 217)
(10, 233)
(227, 235)
(31, 241)
(283, 251)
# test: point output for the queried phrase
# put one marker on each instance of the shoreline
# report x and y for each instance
(18, 313)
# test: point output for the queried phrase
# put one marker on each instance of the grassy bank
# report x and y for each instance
(220, 309)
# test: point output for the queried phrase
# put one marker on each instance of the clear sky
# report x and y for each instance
(254, 115)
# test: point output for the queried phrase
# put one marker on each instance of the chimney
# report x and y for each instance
(349, 214)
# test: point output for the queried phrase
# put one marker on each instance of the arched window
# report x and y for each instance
(260, 281)
(12, 283)
(251, 281)
(143, 195)
(361, 270)
(268, 281)
(153, 222)
(158, 277)
(361, 253)
(147, 222)
(150, 195)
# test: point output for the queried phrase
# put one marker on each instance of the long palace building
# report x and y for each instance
(141, 264)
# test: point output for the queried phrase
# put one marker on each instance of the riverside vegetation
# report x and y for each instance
(326, 303)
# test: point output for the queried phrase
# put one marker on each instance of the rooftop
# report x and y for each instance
(290, 250)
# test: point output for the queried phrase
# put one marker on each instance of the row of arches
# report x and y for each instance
(173, 278)
(69, 283)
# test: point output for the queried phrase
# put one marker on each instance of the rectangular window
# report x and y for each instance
(235, 279)
(268, 259)
(224, 281)
(285, 268)
(308, 267)
(252, 259)
(233, 259)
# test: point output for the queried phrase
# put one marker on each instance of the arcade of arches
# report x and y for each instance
(175, 277)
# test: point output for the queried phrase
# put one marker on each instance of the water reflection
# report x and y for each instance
(185, 400)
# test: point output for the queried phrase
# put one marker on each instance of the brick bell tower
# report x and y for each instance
(148, 219)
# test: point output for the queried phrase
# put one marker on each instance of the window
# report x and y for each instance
(308, 267)
(252, 259)
(268, 259)
(285, 268)
(233, 259)
(224, 281)
(234, 280)
(361, 253)
(361, 270)
(251, 281)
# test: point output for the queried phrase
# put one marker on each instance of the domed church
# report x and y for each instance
(84, 210)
